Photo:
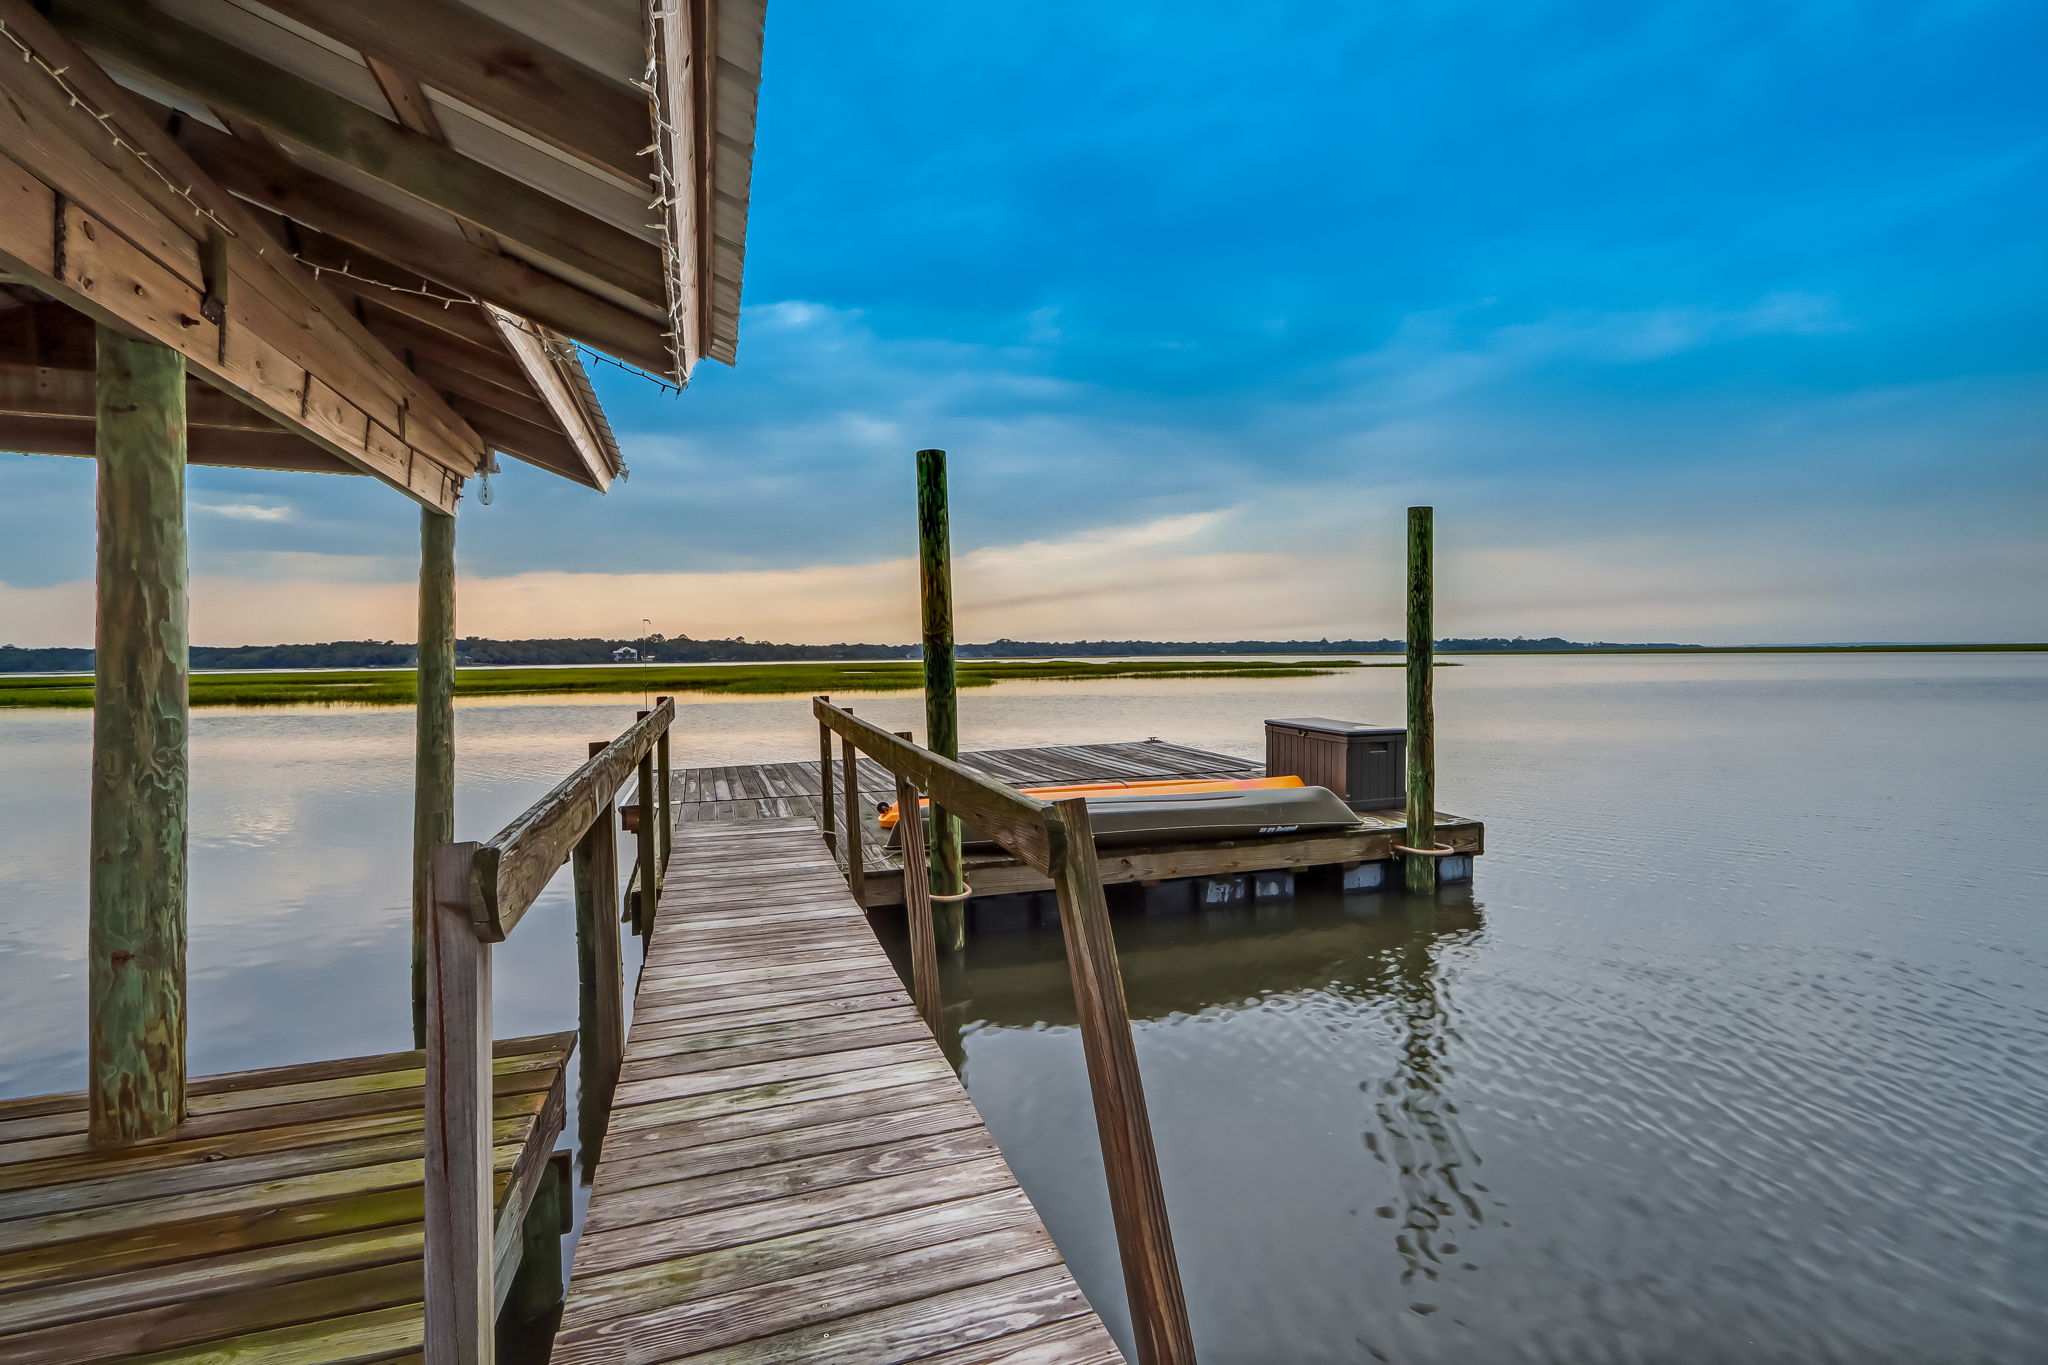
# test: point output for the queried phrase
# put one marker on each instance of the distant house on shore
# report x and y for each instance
(625, 654)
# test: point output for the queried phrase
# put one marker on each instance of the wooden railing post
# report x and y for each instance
(917, 902)
(1421, 866)
(828, 815)
(1137, 1203)
(856, 870)
(460, 1298)
(650, 871)
(433, 764)
(600, 999)
(666, 830)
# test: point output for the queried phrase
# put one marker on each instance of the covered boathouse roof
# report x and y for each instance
(373, 228)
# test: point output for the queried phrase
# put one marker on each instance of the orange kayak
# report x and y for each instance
(1164, 786)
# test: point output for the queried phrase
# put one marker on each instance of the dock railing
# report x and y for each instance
(480, 893)
(1056, 839)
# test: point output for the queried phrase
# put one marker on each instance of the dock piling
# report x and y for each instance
(941, 687)
(433, 771)
(1421, 866)
(137, 877)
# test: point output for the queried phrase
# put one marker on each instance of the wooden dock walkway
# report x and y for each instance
(279, 1222)
(792, 1171)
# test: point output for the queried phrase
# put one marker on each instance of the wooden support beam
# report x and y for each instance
(461, 1298)
(137, 878)
(537, 1281)
(1421, 866)
(139, 237)
(433, 781)
(917, 904)
(540, 445)
(223, 446)
(266, 176)
(43, 391)
(828, 810)
(664, 783)
(496, 69)
(581, 425)
(290, 106)
(856, 864)
(1137, 1202)
(412, 341)
(650, 861)
(941, 686)
(600, 1004)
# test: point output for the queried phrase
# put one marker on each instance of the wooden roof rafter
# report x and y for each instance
(486, 162)
(106, 214)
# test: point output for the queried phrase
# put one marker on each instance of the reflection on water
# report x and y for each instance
(1741, 1061)
(1418, 1134)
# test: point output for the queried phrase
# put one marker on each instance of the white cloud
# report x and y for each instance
(244, 511)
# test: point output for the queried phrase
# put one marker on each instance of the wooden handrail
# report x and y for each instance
(1022, 824)
(513, 866)
(477, 894)
(1057, 840)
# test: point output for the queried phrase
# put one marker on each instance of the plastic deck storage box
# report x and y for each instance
(1367, 765)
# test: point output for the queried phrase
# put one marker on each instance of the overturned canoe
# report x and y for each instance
(1151, 787)
(1197, 817)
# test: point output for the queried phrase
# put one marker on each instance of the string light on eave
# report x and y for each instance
(111, 129)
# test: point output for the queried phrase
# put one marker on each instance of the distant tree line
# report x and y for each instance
(1034, 649)
(681, 649)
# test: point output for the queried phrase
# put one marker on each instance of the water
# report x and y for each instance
(1734, 1051)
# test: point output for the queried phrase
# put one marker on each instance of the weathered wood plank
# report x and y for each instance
(791, 1154)
(498, 70)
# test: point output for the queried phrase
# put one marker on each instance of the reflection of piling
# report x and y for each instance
(1421, 703)
(941, 687)
(1419, 1134)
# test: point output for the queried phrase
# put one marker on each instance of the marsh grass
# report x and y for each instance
(392, 687)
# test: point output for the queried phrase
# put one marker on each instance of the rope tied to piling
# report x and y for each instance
(1440, 851)
(963, 895)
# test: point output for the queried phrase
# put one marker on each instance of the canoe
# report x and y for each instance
(1162, 786)
(1200, 817)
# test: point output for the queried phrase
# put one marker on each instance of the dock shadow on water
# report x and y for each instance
(1301, 1060)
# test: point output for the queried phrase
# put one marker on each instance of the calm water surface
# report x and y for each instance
(1735, 1051)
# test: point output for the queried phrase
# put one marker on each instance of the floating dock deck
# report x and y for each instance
(776, 791)
(280, 1221)
(792, 1171)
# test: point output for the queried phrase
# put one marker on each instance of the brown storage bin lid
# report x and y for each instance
(1323, 725)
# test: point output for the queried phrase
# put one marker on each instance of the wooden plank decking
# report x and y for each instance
(279, 1222)
(792, 1172)
(738, 793)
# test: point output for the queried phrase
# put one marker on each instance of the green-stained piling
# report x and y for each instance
(137, 882)
(941, 687)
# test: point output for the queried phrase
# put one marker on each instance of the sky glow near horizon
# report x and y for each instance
(1694, 321)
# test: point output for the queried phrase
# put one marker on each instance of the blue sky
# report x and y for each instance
(1714, 322)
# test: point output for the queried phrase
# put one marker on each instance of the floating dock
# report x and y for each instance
(780, 791)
